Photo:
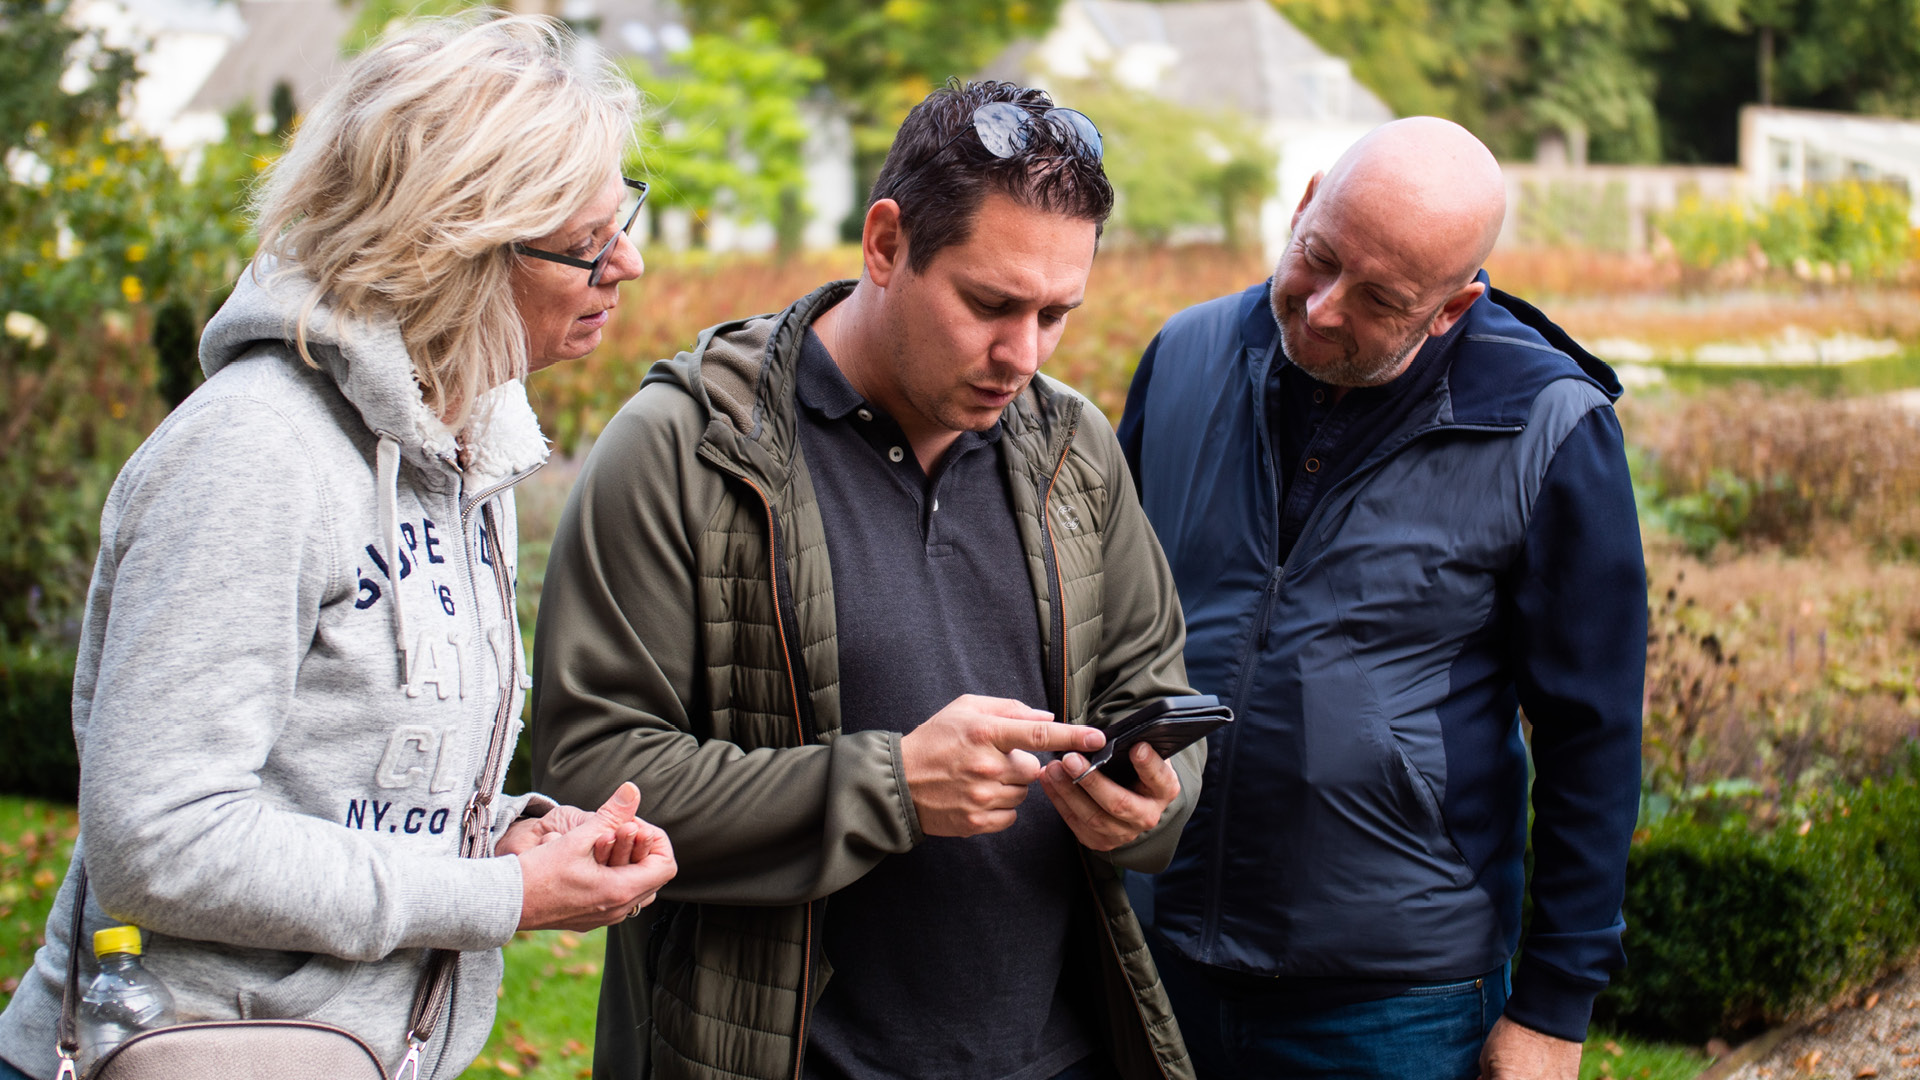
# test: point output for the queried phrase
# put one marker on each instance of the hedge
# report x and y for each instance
(37, 756)
(1734, 924)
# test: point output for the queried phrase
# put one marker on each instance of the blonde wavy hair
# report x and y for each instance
(445, 143)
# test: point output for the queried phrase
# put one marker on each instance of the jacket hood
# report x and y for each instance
(367, 360)
(736, 368)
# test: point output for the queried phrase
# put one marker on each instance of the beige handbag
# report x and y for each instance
(246, 1049)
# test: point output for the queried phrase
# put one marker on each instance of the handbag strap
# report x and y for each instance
(68, 1031)
(430, 998)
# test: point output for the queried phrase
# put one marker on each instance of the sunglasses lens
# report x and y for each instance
(1002, 127)
(1082, 128)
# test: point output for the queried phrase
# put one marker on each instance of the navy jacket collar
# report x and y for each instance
(1514, 350)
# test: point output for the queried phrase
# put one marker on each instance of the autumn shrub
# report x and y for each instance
(1751, 467)
(1741, 914)
(1788, 673)
(37, 754)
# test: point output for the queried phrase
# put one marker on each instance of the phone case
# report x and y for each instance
(1169, 725)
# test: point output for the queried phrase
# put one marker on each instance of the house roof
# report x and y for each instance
(295, 40)
(1238, 54)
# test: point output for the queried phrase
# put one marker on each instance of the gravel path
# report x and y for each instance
(1877, 1036)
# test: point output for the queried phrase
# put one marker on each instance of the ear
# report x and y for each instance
(1313, 185)
(883, 245)
(1456, 306)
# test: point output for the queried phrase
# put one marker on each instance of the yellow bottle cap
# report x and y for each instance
(114, 939)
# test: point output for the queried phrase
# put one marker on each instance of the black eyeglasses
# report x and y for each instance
(598, 264)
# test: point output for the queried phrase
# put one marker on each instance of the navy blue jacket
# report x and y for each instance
(1365, 816)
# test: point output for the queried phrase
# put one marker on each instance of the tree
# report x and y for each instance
(1514, 70)
(880, 58)
(95, 224)
(730, 129)
(1173, 167)
(1859, 56)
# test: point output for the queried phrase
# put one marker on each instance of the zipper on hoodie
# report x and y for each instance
(481, 799)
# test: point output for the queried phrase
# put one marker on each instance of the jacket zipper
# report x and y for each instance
(1056, 585)
(802, 713)
(1276, 577)
(1216, 868)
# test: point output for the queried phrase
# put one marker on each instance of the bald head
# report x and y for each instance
(1385, 249)
(1426, 185)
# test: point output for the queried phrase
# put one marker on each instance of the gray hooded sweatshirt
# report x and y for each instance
(296, 641)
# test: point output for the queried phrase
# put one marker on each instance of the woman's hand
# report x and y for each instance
(585, 871)
(528, 833)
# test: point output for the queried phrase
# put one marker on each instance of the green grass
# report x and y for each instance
(1623, 1057)
(36, 842)
(545, 1026)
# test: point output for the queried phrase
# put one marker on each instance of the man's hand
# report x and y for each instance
(1102, 814)
(969, 765)
(602, 869)
(1513, 1052)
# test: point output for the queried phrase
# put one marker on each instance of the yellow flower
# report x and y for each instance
(136, 252)
(118, 409)
(98, 166)
(131, 288)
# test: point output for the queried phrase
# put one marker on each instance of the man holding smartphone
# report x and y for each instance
(835, 588)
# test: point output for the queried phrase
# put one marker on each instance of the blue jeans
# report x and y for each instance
(1430, 1032)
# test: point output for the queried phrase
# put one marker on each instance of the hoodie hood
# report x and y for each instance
(367, 360)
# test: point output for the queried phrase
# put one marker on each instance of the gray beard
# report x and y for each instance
(1359, 370)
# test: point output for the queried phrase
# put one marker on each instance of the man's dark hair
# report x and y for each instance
(939, 179)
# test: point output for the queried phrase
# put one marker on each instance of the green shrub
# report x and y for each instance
(1740, 915)
(36, 723)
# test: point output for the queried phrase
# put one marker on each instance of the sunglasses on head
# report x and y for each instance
(1006, 129)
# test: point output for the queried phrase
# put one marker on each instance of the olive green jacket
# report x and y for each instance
(686, 642)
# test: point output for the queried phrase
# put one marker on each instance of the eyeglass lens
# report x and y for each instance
(1005, 128)
(629, 213)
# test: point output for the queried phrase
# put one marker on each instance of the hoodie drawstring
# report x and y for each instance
(388, 461)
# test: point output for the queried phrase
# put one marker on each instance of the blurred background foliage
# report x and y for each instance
(727, 126)
(1781, 504)
(1643, 80)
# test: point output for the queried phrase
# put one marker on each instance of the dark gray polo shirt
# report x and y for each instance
(948, 959)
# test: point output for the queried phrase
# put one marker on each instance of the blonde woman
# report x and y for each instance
(300, 671)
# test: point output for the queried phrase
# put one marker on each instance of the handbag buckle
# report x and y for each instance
(67, 1071)
(410, 1066)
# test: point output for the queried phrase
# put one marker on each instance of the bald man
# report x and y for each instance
(1397, 509)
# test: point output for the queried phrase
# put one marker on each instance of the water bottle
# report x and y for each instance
(124, 1000)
